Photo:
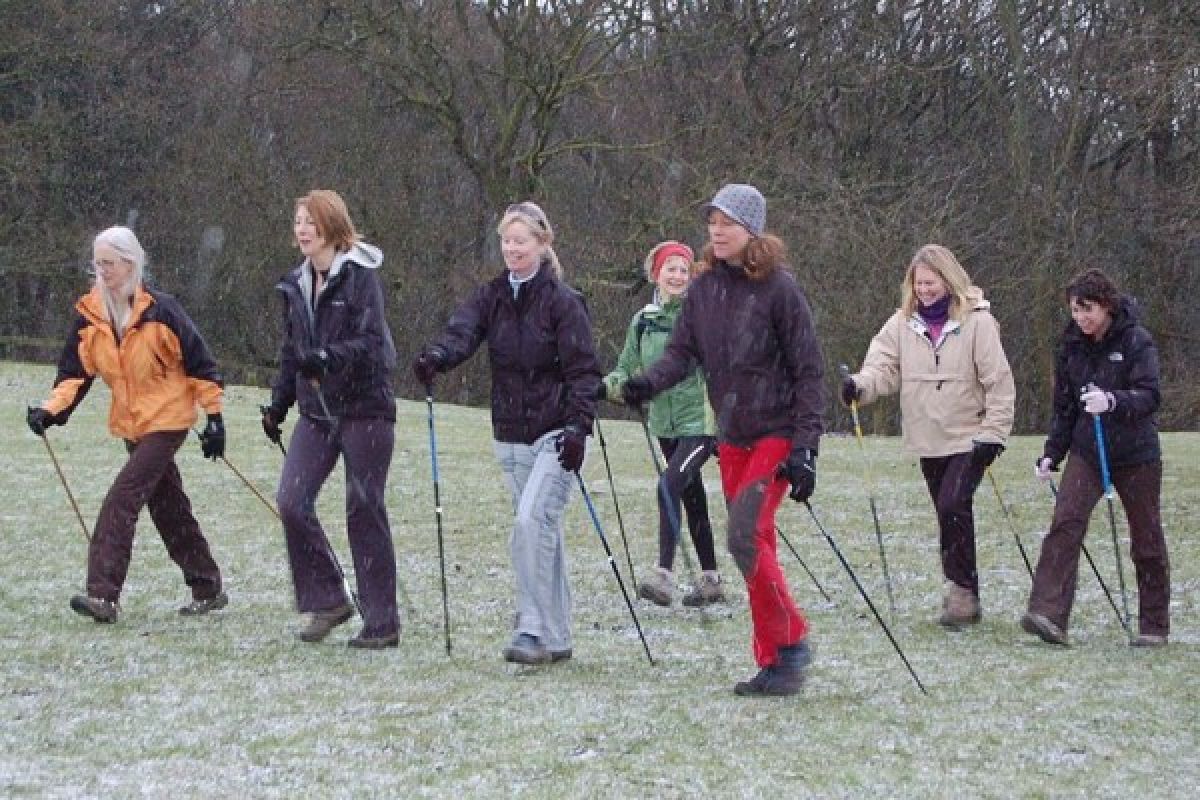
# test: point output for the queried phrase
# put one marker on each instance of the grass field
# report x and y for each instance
(233, 706)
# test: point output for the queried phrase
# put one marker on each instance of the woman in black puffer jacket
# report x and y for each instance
(1106, 368)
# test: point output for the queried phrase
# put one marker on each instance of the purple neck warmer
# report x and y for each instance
(936, 313)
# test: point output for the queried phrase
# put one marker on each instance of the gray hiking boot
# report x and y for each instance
(783, 678)
(1042, 627)
(320, 623)
(526, 649)
(960, 607)
(99, 610)
(659, 588)
(198, 607)
(706, 591)
(1149, 640)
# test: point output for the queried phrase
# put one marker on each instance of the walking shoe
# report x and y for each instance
(781, 679)
(706, 591)
(526, 649)
(960, 607)
(659, 588)
(198, 607)
(1041, 626)
(320, 623)
(94, 607)
(363, 641)
(1149, 640)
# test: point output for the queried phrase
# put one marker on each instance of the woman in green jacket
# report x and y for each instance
(682, 421)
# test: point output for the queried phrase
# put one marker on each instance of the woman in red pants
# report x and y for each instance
(747, 324)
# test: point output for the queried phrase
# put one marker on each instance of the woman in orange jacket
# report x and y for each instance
(146, 348)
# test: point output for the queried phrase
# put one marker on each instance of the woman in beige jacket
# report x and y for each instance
(941, 350)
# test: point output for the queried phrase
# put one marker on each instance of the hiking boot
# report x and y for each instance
(659, 588)
(1041, 626)
(364, 641)
(560, 655)
(706, 591)
(960, 607)
(526, 649)
(198, 607)
(99, 610)
(781, 679)
(320, 623)
(1149, 640)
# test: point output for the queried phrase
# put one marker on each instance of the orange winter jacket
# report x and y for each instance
(158, 373)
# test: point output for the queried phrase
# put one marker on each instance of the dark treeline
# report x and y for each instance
(1032, 138)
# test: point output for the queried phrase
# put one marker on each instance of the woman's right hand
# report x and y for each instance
(1043, 468)
(272, 418)
(850, 390)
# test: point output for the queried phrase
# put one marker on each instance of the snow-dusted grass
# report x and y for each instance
(232, 706)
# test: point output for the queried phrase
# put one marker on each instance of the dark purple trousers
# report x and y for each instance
(149, 478)
(1054, 579)
(365, 446)
(952, 481)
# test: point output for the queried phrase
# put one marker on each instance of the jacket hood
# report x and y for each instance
(975, 299)
(361, 253)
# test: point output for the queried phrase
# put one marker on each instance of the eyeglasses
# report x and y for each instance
(107, 265)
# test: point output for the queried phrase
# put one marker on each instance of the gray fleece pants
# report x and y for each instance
(540, 489)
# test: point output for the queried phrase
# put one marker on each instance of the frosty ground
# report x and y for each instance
(232, 705)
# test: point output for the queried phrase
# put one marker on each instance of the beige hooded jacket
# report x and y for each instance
(954, 392)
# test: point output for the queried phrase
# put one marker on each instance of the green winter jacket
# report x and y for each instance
(683, 409)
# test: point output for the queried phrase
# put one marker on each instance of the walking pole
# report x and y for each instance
(66, 487)
(437, 512)
(816, 582)
(616, 503)
(676, 522)
(587, 498)
(1092, 564)
(887, 578)
(1011, 524)
(865, 596)
(1106, 478)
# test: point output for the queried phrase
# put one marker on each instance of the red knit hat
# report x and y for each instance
(663, 251)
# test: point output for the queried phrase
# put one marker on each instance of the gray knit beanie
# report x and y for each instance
(743, 204)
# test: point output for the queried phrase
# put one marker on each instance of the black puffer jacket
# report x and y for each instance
(1124, 362)
(349, 323)
(544, 369)
(756, 342)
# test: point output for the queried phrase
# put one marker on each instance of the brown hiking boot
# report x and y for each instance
(960, 607)
(320, 623)
(659, 588)
(198, 607)
(364, 641)
(1041, 626)
(100, 610)
(706, 591)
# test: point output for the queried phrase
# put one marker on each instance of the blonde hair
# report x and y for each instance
(532, 216)
(941, 261)
(118, 305)
(330, 217)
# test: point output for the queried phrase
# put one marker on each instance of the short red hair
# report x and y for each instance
(330, 215)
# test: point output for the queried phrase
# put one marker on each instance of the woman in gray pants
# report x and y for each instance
(544, 383)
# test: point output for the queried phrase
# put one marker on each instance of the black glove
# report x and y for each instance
(272, 418)
(315, 363)
(212, 438)
(428, 364)
(602, 391)
(801, 470)
(572, 445)
(984, 453)
(850, 390)
(38, 419)
(637, 391)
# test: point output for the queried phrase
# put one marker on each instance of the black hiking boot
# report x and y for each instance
(526, 649)
(782, 678)
(365, 641)
(198, 607)
(100, 610)
(320, 623)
